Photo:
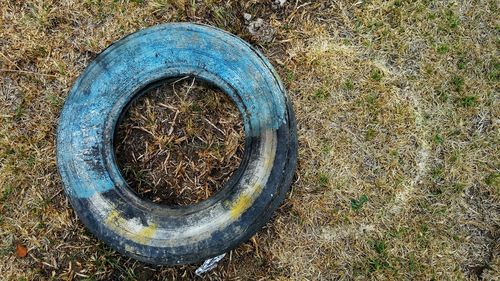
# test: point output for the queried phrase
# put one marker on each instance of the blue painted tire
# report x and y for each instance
(160, 234)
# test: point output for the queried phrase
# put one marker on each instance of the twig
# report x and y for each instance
(27, 72)
(190, 86)
(173, 123)
(212, 124)
(178, 80)
(11, 62)
(57, 193)
(167, 106)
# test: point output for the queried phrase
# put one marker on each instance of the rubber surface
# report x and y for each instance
(163, 234)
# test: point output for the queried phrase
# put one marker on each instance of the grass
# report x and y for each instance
(398, 122)
(185, 130)
(356, 204)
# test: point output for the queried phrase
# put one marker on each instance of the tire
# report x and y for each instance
(169, 235)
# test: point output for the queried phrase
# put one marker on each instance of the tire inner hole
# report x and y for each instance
(179, 143)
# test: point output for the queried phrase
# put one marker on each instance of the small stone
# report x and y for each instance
(247, 16)
(280, 2)
(254, 26)
(261, 30)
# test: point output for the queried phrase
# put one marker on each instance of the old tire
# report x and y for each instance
(160, 234)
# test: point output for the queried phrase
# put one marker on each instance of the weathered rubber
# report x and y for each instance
(163, 234)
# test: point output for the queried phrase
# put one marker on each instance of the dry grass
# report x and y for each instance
(179, 143)
(398, 113)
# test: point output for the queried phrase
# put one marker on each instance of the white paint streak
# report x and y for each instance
(422, 156)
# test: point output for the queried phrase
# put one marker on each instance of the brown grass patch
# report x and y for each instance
(179, 143)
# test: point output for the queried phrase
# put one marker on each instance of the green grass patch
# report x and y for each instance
(451, 19)
(6, 192)
(323, 180)
(442, 49)
(461, 63)
(437, 173)
(290, 76)
(377, 264)
(371, 100)
(467, 101)
(348, 85)
(378, 246)
(438, 139)
(492, 179)
(457, 82)
(370, 134)
(495, 72)
(357, 204)
(377, 75)
(321, 94)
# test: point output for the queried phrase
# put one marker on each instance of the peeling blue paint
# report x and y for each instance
(118, 73)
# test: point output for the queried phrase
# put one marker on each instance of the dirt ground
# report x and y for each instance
(398, 122)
